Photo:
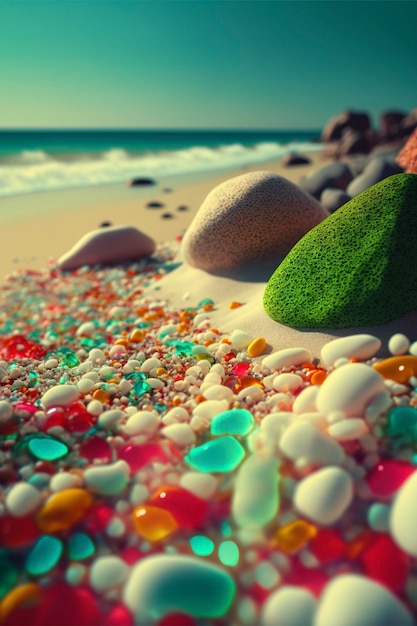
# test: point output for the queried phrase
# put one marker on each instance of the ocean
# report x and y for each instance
(40, 160)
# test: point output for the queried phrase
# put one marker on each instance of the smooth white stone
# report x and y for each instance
(96, 354)
(240, 340)
(286, 358)
(218, 392)
(107, 479)
(360, 347)
(109, 419)
(150, 364)
(95, 407)
(346, 430)
(353, 600)
(349, 388)
(22, 499)
(201, 485)
(285, 381)
(324, 495)
(86, 329)
(398, 344)
(6, 410)
(305, 402)
(177, 414)
(142, 422)
(85, 385)
(210, 408)
(289, 606)
(275, 424)
(303, 440)
(60, 395)
(107, 572)
(404, 514)
(255, 497)
(181, 434)
(161, 584)
(64, 480)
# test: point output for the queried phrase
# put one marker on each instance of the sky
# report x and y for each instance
(203, 63)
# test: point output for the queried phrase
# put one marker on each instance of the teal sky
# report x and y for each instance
(203, 63)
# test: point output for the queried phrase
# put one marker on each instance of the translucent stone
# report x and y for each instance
(153, 523)
(140, 455)
(228, 553)
(293, 536)
(8, 576)
(63, 509)
(398, 368)
(219, 455)
(388, 475)
(201, 545)
(80, 547)
(44, 555)
(402, 420)
(187, 509)
(95, 448)
(47, 448)
(327, 545)
(232, 422)
(384, 562)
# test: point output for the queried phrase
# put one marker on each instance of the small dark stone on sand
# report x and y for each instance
(155, 205)
(167, 216)
(105, 224)
(141, 181)
(182, 208)
(167, 190)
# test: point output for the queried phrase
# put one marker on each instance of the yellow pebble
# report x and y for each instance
(294, 535)
(64, 509)
(137, 336)
(161, 371)
(256, 347)
(20, 597)
(102, 396)
(398, 368)
(153, 523)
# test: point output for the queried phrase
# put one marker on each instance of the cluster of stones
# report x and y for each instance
(144, 453)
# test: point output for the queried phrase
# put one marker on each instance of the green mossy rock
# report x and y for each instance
(356, 268)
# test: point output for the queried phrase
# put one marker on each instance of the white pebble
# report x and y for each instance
(138, 494)
(218, 392)
(353, 600)
(349, 388)
(403, 516)
(210, 408)
(289, 606)
(181, 434)
(361, 347)
(142, 422)
(240, 340)
(275, 424)
(346, 430)
(286, 358)
(107, 572)
(287, 381)
(324, 495)
(64, 480)
(6, 411)
(107, 479)
(50, 364)
(23, 499)
(60, 395)
(95, 407)
(306, 441)
(86, 329)
(306, 400)
(201, 485)
(175, 415)
(85, 385)
(398, 344)
(109, 419)
(255, 496)
(150, 364)
(96, 355)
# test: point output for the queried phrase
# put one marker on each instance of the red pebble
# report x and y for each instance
(96, 448)
(139, 455)
(383, 561)
(188, 510)
(18, 347)
(176, 619)
(16, 532)
(79, 420)
(119, 616)
(97, 517)
(327, 545)
(387, 476)
(312, 579)
(240, 369)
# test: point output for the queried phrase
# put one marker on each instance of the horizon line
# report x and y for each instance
(148, 129)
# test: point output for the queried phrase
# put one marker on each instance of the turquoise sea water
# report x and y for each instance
(39, 160)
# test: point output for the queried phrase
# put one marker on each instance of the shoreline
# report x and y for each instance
(35, 232)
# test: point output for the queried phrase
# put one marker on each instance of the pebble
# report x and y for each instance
(232, 422)
(6, 411)
(398, 344)
(202, 485)
(63, 509)
(210, 408)
(109, 419)
(181, 434)
(306, 401)
(360, 347)
(107, 572)
(287, 382)
(350, 389)
(60, 395)
(346, 430)
(359, 601)
(303, 440)
(255, 500)
(289, 606)
(219, 455)
(21, 596)
(286, 358)
(115, 244)
(44, 555)
(64, 480)
(403, 516)
(324, 495)
(142, 422)
(218, 392)
(398, 368)
(160, 584)
(108, 479)
(22, 499)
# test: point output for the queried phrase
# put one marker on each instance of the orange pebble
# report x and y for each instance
(318, 377)
(63, 509)
(256, 347)
(153, 523)
(102, 396)
(294, 535)
(398, 368)
(181, 328)
(20, 597)
(234, 305)
(161, 371)
(121, 342)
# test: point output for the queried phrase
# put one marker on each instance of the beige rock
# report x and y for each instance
(115, 244)
(254, 217)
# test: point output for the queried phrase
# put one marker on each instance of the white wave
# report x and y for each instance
(36, 171)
